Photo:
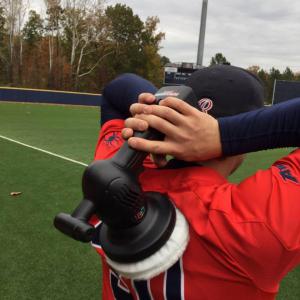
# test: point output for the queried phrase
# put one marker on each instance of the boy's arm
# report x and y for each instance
(117, 97)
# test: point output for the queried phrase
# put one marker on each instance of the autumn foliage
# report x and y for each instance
(78, 45)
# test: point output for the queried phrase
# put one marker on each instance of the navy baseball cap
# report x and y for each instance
(225, 90)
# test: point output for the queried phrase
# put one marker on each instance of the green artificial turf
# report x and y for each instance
(66, 130)
(36, 261)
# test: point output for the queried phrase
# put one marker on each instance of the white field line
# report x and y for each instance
(44, 151)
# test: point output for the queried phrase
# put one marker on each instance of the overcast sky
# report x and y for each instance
(253, 32)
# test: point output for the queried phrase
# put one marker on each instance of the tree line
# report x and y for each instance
(77, 45)
(80, 45)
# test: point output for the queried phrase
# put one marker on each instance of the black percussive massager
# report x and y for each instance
(134, 224)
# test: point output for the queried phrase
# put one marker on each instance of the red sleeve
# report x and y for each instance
(263, 224)
(110, 141)
(284, 211)
(273, 196)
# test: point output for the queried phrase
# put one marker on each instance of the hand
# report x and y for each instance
(141, 125)
(190, 135)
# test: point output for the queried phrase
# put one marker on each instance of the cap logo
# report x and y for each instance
(205, 104)
(167, 94)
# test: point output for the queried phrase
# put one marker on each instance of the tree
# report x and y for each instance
(79, 44)
(164, 60)
(33, 29)
(254, 69)
(32, 32)
(2, 25)
(15, 11)
(264, 77)
(275, 74)
(10, 13)
(22, 9)
(288, 74)
(85, 38)
(124, 29)
(53, 28)
(3, 57)
(136, 43)
(219, 59)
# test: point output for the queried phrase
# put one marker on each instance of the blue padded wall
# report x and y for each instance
(45, 96)
(286, 90)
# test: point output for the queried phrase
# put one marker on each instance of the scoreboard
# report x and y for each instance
(177, 75)
(285, 90)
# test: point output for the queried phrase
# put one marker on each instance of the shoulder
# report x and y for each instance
(289, 164)
(110, 139)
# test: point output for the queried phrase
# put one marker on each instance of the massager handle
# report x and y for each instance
(132, 159)
(76, 225)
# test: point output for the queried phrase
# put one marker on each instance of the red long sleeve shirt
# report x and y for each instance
(244, 238)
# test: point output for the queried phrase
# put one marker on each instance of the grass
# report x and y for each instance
(67, 130)
(36, 261)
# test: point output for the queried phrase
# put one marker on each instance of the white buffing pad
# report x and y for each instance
(160, 261)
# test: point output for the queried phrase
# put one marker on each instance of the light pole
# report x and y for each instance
(202, 34)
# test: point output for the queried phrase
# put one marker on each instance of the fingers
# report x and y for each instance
(179, 105)
(147, 98)
(132, 124)
(157, 123)
(154, 147)
(160, 111)
(175, 103)
(127, 133)
(136, 123)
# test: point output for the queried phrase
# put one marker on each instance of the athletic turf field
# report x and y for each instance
(36, 261)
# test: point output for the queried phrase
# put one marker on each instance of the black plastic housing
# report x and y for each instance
(134, 224)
